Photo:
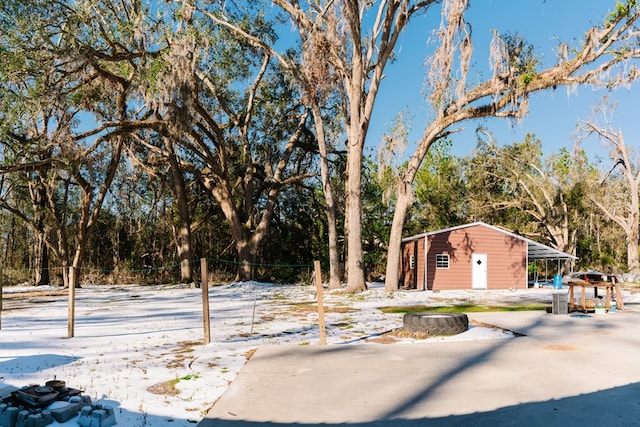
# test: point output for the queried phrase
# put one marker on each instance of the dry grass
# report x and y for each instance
(167, 388)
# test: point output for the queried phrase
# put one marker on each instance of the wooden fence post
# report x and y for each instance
(319, 289)
(71, 277)
(204, 285)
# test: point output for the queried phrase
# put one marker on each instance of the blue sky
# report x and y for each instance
(552, 115)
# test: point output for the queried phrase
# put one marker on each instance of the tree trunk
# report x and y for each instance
(41, 262)
(404, 198)
(63, 256)
(632, 236)
(633, 262)
(330, 208)
(184, 218)
(38, 194)
(355, 265)
(632, 256)
(332, 234)
(246, 242)
(247, 257)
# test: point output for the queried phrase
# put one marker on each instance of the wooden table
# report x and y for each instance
(609, 286)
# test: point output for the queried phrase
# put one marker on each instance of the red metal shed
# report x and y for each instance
(471, 256)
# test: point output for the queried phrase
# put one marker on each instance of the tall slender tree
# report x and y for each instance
(356, 41)
(617, 194)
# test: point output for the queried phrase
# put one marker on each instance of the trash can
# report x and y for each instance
(560, 303)
(557, 282)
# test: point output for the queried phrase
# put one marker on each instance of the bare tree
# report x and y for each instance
(356, 41)
(617, 192)
(598, 60)
(330, 205)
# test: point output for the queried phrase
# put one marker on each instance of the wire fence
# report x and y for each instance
(241, 298)
(219, 271)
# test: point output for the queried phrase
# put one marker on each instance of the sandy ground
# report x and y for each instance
(140, 349)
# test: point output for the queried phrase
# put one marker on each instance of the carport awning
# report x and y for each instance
(537, 250)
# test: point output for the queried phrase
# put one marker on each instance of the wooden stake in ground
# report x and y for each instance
(72, 301)
(204, 285)
(323, 332)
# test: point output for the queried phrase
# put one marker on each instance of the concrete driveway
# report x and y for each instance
(563, 371)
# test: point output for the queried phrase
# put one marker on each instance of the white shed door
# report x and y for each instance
(479, 271)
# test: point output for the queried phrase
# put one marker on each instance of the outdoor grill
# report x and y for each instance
(36, 396)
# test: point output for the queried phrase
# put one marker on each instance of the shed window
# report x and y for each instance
(442, 261)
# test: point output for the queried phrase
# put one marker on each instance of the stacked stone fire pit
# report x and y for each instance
(38, 406)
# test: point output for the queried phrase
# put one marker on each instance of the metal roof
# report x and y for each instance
(535, 250)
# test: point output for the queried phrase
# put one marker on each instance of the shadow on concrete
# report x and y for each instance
(619, 406)
(613, 405)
